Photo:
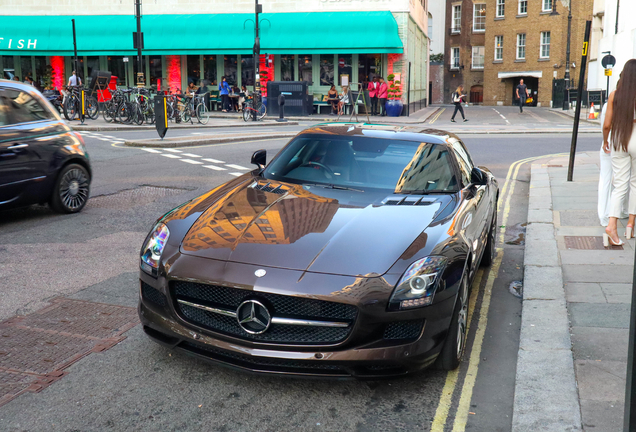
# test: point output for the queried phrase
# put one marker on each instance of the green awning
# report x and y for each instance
(281, 33)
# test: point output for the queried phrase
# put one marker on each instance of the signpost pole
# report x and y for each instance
(630, 400)
(257, 58)
(75, 50)
(140, 67)
(577, 114)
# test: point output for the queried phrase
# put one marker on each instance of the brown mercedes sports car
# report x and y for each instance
(350, 254)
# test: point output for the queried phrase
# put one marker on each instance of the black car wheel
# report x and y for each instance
(455, 342)
(489, 252)
(71, 189)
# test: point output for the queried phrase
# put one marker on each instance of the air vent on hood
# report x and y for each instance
(408, 200)
(276, 188)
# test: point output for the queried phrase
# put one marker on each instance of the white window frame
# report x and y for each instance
(454, 60)
(477, 7)
(499, 48)
(521, 45)
(545, 43)
(500, 9)
(546, 5)
(476, 54)
(456, 18)
(523, 5)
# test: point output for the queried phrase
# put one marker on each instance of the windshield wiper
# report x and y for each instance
(332, 186)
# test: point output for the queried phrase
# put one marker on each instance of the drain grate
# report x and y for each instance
(135, 197)
(587, 243)
(35, 349)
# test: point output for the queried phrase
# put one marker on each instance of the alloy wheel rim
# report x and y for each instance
(462, 320)
(74, 189)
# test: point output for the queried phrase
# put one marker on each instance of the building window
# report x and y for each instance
(478, 57)
(27, 70)
(523, 7)
(193, 69)
(230, 70)
(247, 70)
(545, 45)
(369, 66)
(454, 58)
(501, 8)
(457, 19)
(155, 81)
(344, 68)
(498, 48)
(287, 67)
(92, 64)
(209, 69)
(521, 46)
(479, 17)
(547, 5)
(326, 69)
(304, 68)
(117, 68)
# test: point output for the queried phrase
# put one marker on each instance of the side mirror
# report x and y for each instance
(478, 177)
(259, 158)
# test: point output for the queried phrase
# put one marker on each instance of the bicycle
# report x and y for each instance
(254, 105)
(72, 104)
(202, 113)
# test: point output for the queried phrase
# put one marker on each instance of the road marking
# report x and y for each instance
(111, 137)
(213, 160)
(191, 155)
(196, 133)
(535, 116)
(173, 150)
(236, 174)
(102, 139)
(171, 156)
(149, 150)
(236, 166)
(190, 161)
(214, 167)
(501, 115)
(437, 116)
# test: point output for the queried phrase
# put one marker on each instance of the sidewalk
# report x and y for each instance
(583, 116)
(574, 333)
(100, 124)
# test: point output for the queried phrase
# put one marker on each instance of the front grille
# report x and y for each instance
(263, 363)
(276, 188)
(153, 295)
(403, 330)
(278, 305)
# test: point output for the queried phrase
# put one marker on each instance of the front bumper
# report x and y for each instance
(363, 354)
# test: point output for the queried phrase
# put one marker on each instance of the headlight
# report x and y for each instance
(153, 248)
(417, 286)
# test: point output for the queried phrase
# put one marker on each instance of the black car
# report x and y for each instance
(41, 159)
(351, 253)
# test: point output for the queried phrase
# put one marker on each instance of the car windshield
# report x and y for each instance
(364, 162)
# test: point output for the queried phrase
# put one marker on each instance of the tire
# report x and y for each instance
(138, 115)
(489, 251)
(451, 355)
(109, 112)
(262, 110)
(71, 190)
(150, 116)
(185, 115)
(124, 113)
(70, 109)
(92, 108)
(202, 114)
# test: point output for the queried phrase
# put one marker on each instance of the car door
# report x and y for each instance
(21, 163)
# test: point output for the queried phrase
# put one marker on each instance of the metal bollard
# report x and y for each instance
(281, 108)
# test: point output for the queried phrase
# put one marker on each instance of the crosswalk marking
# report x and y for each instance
(191, 155)
(171, 156)
(213, 160)
(108, 136)
(190, 161)
(172, 150)
(214, 167)
(150, 150)
(236, 167)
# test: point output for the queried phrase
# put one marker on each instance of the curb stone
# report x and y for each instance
(546, 393)
(87, 127)
(192, 142)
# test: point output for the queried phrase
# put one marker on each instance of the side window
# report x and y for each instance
(21, 107)
(464, 161)
(4, 112)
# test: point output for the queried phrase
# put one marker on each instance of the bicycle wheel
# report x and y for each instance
(150, 116)
(124, 113)
(247, 112)
(109, 112)
(261, 109)
(92, 108)
(186, 115)
(70, 109)
(138, 116)
(202, 114)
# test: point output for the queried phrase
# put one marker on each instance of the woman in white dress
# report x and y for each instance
(605, 181)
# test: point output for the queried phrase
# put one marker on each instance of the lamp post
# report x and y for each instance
(256, 56)
(139, 37)
(75, 61)
(566, 99)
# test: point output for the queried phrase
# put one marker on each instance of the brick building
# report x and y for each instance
(526, 39)
(464, 48)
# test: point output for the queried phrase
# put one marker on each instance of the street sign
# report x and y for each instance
(608, 72)
(141, 81)
(125, 59)
(135, 40)
(161, 115)
(608, 61)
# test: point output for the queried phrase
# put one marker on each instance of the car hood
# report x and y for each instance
(323, 230)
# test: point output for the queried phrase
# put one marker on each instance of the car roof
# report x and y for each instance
(18, 85)
(418, 133)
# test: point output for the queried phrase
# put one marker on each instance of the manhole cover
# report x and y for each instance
(134, 197)
(587, 243)
(35, 349)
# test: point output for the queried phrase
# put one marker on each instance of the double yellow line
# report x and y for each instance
(446, 398)
(434, 119)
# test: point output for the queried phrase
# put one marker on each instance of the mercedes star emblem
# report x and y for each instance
(253, 317)
(260, 273)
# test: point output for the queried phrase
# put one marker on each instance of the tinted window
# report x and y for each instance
(464, 161)
(22, 107)
(359, 162)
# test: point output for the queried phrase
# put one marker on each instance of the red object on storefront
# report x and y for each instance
(341, 62)
(57, 64)
(173, 68)
(266, 71)
(106, 95)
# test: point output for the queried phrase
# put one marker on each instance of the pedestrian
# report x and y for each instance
(383, 93)
(74, 80)
(344, 99)
(224, 91)
(619, 121)
(332, 97)
(373, 94)
(458, 97)
(522, 94)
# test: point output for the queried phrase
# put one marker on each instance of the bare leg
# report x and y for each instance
(612, 229)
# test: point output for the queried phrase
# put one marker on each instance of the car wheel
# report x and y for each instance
(71, 190)
(455, 342)
(489, 252)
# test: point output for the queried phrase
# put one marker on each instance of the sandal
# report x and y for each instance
(609, 241)
(629, 232)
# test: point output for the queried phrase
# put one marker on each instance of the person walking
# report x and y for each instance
(619, 121)
(457, 97)
(224, 91)
(74, 80)
(373, 94)
(522, 94)
(383, 94)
